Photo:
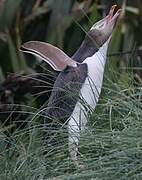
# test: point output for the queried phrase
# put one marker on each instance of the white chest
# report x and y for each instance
(89, 95)
(90, 91)
(91, 88)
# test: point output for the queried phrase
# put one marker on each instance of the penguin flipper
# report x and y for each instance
(52, 55)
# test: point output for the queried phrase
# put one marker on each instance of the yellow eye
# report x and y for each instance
(101, 25)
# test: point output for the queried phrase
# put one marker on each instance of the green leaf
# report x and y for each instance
(22, 60)
(94, 14)
(2, 77)
(13, 54)
(7, 15)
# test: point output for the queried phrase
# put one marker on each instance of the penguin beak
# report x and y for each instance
(112, 17)
(109, 21)
(102, 30)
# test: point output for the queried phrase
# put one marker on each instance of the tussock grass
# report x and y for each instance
(109, 148)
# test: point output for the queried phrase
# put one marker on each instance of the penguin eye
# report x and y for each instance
(100, 26)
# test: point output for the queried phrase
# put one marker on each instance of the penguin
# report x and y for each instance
(77, 88)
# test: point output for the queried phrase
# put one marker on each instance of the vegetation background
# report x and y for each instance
(111, 146)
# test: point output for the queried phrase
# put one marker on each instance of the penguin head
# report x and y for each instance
(102, 30)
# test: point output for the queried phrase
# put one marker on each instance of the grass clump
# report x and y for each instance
(109, 148)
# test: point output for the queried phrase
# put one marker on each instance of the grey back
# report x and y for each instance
(63, 99)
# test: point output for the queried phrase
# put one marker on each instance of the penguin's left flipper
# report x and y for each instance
(49, 53)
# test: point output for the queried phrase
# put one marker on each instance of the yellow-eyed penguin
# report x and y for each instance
(77, 88)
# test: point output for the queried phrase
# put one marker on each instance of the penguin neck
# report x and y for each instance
(86, 50)
(101, 55)
(103, 51)
(98, 60)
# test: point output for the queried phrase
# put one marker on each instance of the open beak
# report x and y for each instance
(112, 16)
(104, 28)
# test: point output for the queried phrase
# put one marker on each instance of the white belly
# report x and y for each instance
(89, 96)
(90, 90)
